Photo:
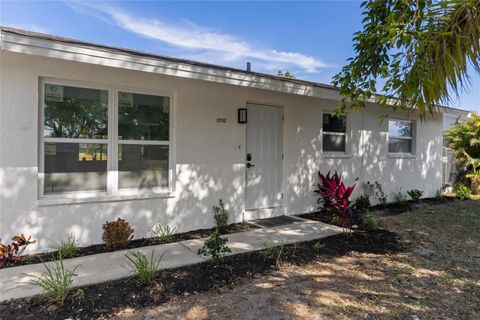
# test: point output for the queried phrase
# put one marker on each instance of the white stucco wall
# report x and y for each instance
(210, 156)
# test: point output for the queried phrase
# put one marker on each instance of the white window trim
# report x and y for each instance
(112, 193)
(337, 154)
(412, 138)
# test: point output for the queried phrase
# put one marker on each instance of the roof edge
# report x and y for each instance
(139, 53)
(142, 54)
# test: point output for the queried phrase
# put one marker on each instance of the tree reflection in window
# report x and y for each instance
(78, 113)
(143, 117)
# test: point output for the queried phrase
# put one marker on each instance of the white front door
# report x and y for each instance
(264, 167)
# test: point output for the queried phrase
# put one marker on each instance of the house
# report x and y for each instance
(89, 133)
(451, 172)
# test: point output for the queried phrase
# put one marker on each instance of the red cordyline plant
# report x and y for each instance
(334, 196)
(13, 250)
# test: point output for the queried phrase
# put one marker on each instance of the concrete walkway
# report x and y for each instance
(103, 267)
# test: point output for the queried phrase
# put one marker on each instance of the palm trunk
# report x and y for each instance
(475, 185)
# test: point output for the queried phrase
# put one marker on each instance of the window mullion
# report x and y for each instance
(401, 137)
(74, 140)
(145, 142)
(112, 147)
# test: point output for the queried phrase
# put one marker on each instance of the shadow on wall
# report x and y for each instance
(367, 160)
(198, 188)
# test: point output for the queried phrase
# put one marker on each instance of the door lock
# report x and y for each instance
(249, 156)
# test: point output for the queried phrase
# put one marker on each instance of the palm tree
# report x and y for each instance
(422, 49)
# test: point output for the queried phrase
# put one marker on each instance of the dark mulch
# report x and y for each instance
(102, 300)
(386, 210)
(394, 208)
(102, 248)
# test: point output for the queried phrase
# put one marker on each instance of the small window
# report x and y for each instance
(334, 133)
(400, 133)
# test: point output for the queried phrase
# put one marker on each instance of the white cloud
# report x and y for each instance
(200, 40)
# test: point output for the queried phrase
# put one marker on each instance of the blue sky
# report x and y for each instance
(310, 39)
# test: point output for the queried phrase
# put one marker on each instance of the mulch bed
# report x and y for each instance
(103, 300)
(102, 248)
(394, 208)
(385, 210)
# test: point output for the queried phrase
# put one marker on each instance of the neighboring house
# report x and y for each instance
(89, 133)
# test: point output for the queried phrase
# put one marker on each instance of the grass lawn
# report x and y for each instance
(437, 276)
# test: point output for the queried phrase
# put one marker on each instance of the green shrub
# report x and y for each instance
(362, 203)
(318, 245)
(56, 281)
(117, 233)
(462, 191)
(66, 248)
(370, 222)
(215, 246)
(146, 269)
(439, 195)
(337, 221)
(275, 250)
(164, 234)
(399, 197)
(220, 215)
(415, 194)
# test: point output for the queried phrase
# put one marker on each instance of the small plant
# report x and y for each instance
(164, 234)
(66, 248)
(415, 194)
(318, 246)
(439, 195)
(334, 196)
(56, 281)
(117, 233)
(462, 191)
(12, 251)
(215, 246)
(275, 250)
(362, 203)
(399, 197)
(221, 215)
(146, 269)
(337, 220)
(370, 222)
(474, 165)
(382, 198)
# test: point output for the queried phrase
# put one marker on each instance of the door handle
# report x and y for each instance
(250, 165)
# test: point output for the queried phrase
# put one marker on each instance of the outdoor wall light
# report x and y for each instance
(242, 115)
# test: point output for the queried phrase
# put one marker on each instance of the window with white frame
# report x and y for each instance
(81, 153)
(143, 141)
(334, 132)
(400, 136)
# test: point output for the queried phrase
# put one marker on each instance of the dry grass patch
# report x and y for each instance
(437, 277)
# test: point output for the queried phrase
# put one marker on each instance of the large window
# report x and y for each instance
(334, 132)
(91, 144)
(75, 139)
(143, 134)
(400, 133)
